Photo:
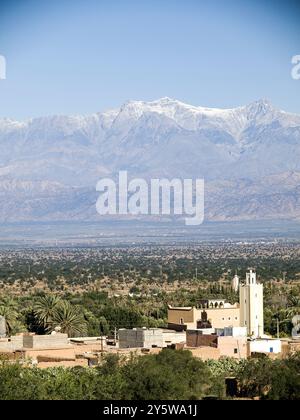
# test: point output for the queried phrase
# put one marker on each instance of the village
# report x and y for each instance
(213, 330)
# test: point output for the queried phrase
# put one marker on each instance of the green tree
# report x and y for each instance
(8, 309)
(168, 375)
(70, 319)
(45, 308)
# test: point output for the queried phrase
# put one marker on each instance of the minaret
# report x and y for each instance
(251, 305)
(235, 283)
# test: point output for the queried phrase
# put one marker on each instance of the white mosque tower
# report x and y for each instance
(251, 306)
(235, 283)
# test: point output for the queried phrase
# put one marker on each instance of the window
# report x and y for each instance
(181, 321)
(235, 351)
(271, 350)
(229, 319)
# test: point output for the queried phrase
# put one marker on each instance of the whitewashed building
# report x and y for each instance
(265, 346)
(251, 306)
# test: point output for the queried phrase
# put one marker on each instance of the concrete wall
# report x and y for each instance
(45, 341)
(265, 346)
(148, 338)
(235, 332)
(139, 337)
(235, 347)
(219, 317)
(205, 353)
(11, 344)
(65, 364)
(180, 316)
(67, 354)
(173, 337)
(207, 331)
(225, 317)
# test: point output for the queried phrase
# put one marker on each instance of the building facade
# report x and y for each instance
(228, 346)
(265, 346)
(251, 305)
(148, 338)
(217, 313)
(210, 314)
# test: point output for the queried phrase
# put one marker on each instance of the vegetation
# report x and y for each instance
(171, 374)
(96, 313)
(140, 378)
(43, 314)
(138, 267)
(95, 292)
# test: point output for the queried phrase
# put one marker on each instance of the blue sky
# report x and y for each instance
(80, 57)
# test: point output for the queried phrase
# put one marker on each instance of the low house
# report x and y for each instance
(265, 345)
(209, 314)
(149, 338)
(228, 346)
(57, 340)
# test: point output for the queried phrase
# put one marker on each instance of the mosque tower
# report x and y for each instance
(251, 305)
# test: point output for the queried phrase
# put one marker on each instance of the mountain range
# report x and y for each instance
(249, 157)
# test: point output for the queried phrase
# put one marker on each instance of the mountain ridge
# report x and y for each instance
(254, 148)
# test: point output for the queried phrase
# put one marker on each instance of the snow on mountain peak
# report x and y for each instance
(44, 161)
(260, 109)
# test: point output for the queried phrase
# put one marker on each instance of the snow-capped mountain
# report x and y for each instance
(249, 157)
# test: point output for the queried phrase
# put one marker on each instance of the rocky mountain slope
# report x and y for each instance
(249, 157)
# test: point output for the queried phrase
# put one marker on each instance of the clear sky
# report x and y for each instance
(80, 57)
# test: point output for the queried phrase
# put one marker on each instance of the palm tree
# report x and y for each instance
(292, 311)
(293, 305)
(294, 301)
(45, 308)
(70, 319)
(10, 315)
(9, 301)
